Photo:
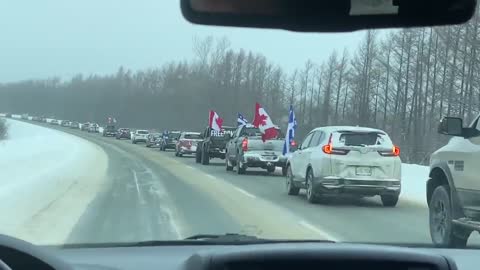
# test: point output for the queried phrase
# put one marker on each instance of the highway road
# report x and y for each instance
(154, 195)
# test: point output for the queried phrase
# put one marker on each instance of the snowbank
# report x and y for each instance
(47, 179)
(414, 180)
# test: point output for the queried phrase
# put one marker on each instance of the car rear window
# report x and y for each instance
(255, 132)
(174, 135)
(354, 138)
(192, 136)
(143, 132)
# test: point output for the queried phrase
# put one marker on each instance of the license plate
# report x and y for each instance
(363, 171)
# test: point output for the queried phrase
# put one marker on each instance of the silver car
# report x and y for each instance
(344, 159)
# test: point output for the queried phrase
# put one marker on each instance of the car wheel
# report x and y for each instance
(442, 229)
(228, 166)
(176, 153)
(240, 168)
(198, 157)
(311, 195)
(205, 157)
(291, 189)
(284, 170)
(271, 169)
(389, 200)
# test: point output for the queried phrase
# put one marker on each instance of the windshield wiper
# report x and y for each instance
(229, 237)
(235, 238)
(198, 239)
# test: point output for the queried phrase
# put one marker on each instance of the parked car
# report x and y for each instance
(213, 144)
(93, 128)
(65, 123)
(85, 126)
(187, 143)
(247, 149)
(74, 125)
(140, 136)
(169, 140)
(453, 187)
(54, 122)
(346, 160)
(123, 133)
(153, 139)
(109, 131)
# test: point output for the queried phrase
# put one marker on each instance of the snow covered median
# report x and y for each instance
(47, 179)
(414, 180)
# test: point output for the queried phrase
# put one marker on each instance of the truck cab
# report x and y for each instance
(453, 187)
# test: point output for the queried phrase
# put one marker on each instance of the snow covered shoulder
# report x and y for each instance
(47, 179)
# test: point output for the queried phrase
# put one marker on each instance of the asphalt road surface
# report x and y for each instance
(154, 195)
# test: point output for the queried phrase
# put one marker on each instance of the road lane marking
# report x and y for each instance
(211, 176)
(245, 192)
(190, 167)
(142, 201)
(317, 230)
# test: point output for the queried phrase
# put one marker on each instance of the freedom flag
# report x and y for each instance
(241, 121)
(292, 125)
(264, 123)
(215, 122)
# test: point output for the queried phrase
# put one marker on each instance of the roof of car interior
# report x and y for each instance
(348, 128)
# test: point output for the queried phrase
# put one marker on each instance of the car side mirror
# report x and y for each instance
(452, 126)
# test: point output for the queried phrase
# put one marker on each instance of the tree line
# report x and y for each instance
(402, 81)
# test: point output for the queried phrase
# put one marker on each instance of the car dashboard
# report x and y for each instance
(21, 255)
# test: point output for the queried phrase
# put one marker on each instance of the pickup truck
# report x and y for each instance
(213, 144)
(246, 149)
(453, 187)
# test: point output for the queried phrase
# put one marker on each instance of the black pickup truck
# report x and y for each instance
(213, 144)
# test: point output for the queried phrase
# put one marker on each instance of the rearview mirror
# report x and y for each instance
(327, 15)
(451, 126)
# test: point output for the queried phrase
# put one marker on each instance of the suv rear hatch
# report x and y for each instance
(363, 155)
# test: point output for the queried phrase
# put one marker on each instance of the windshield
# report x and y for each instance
(382, 176)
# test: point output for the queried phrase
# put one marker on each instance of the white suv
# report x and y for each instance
(140, 136)
(354, 160)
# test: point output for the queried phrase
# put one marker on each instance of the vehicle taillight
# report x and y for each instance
(329, 150)
(395, 152)
(293, 143)
(245, 144)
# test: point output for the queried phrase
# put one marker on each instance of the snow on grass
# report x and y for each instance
(414, 180)
(47, 179)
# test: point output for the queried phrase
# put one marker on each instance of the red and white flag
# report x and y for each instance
(264, 123)
(215, 122)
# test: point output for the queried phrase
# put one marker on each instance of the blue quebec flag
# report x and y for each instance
(241, 121)
(292, 125)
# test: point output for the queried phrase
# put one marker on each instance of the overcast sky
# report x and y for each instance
(45, 38)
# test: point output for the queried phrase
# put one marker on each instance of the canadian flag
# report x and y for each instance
(264, 123)
(215, 122)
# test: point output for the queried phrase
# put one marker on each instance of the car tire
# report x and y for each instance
(228, 166)
(290, 186)
(284, 171)
(271, 169)
(312, 197)
(389, 200)
(176, 153)
(442, 229)
(205, 157)
(240, 169)
(198, 157)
